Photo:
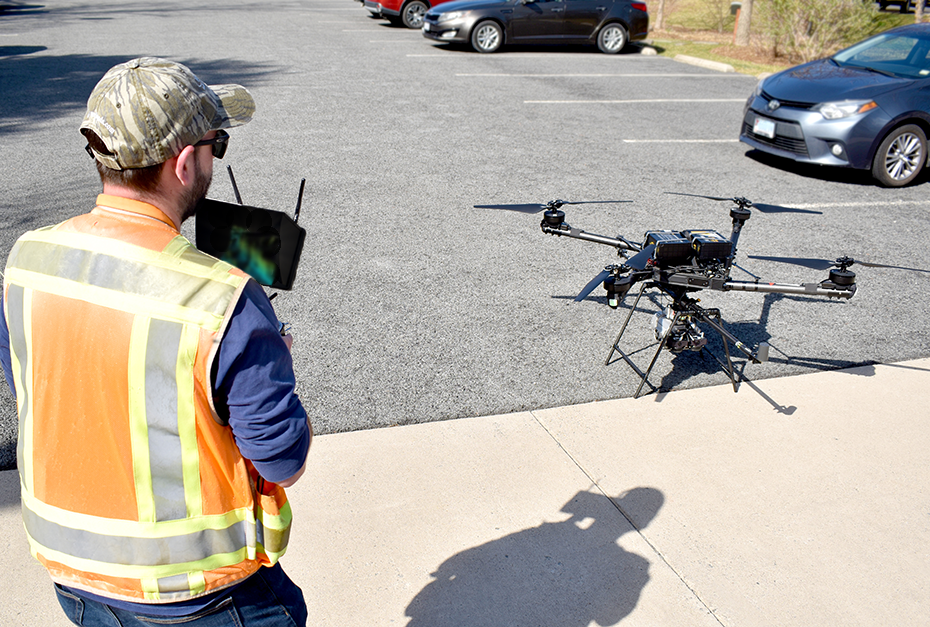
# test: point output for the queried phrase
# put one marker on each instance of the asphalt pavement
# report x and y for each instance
(421, 296)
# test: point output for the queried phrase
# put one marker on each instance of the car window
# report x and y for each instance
(903, 56)
(890, 50)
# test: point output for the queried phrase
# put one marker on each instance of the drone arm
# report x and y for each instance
(568, 231)
(805, 289)
(746, 350)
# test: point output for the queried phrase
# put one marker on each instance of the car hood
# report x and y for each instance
(824, 81)
(468, 5)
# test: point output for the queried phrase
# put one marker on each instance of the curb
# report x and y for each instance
(710, 65)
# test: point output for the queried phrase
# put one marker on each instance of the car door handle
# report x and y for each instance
(557, 10)
(600, 8)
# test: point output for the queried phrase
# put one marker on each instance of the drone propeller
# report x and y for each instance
(826, 264)
(742, 203)
(554, 204)
(593, 283)
(745, 203)
(638, 261)
(778, 209)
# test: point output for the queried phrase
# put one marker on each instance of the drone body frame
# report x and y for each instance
(680, 263)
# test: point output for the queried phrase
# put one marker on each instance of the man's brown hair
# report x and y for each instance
(143, 180)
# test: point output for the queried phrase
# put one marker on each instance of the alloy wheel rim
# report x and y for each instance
(415, 15)
(903, 157)
(613, 37)
(487, 37)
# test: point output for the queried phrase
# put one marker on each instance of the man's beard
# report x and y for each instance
(197, 192)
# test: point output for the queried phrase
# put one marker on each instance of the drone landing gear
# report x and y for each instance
(680, 332)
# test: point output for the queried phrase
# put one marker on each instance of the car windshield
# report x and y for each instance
(904, 55)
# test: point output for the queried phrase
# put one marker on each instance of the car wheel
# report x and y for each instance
(487, 36)
(900, 157)
(412, 14)
(612, 39)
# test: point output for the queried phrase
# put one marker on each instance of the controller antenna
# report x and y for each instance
(300, 197)
(232, 179)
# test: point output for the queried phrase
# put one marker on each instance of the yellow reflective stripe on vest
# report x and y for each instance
(131, 545)
(187, 420)
(163, 421)
(149, 550)
(179, 249)
(60, 263)
(17, 302)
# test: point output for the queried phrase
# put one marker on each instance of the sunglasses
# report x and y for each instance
(219, 143)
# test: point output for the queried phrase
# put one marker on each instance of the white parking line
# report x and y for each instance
(717, 75)
(512, 55)
(679, 141)
(651, 101)
(853, 203)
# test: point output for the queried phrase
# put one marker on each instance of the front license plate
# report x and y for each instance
(425, 28)
(763, 127)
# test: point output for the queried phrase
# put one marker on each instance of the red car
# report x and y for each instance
(407, 12)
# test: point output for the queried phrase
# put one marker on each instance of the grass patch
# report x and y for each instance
(716, 52)
(704, 29)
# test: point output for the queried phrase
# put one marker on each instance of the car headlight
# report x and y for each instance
(844, 108)
(448, 17)
(755, 93)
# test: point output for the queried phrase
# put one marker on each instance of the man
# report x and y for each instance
(158, 421)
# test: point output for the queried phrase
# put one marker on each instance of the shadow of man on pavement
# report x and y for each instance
(567, 573)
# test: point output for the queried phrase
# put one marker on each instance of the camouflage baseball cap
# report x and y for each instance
(147, 110)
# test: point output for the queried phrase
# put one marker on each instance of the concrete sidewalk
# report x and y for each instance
(798, 501)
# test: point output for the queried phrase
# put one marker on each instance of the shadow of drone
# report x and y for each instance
(708, 361)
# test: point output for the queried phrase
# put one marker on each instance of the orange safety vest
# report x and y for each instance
(132, 486)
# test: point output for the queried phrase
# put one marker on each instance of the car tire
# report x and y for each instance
(487, 36)
(412, 14)
(900, 157)
(612, 38)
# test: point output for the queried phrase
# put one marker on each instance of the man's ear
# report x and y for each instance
(185, 167)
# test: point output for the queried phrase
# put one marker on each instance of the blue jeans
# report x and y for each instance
(268, 597)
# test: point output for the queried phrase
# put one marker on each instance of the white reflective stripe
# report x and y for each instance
(20, 330)
(173, 285)
(130, 571)
(131, 528)
(115, 299)
(191, 547)
(173, 584)
(179, 248)
(161, 416)
(163, 420)
(187, 420)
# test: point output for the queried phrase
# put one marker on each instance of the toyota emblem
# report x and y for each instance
(773, 104)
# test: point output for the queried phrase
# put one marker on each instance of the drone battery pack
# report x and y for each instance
(671, 247)
(709, 245)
